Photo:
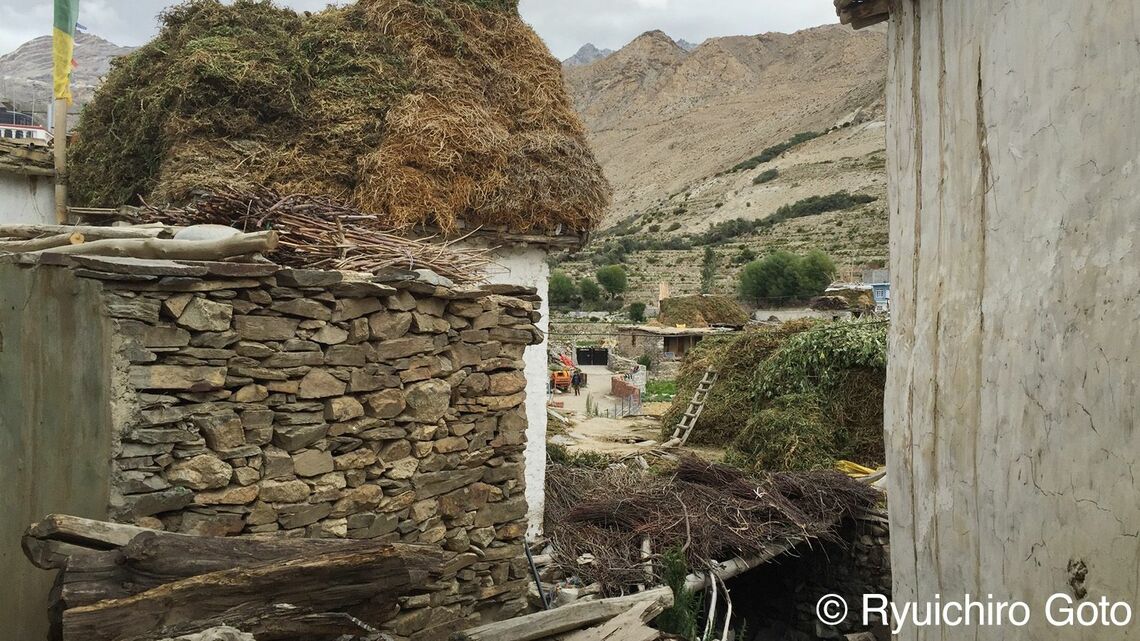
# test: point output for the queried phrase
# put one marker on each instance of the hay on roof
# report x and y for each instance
(420, 111)
(702, 310)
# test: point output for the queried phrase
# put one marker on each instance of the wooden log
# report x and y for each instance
(158, 248)
(88, 533)
(275, 600)
(627, 626)
(90, 232)
(571, 617)
(36, 244)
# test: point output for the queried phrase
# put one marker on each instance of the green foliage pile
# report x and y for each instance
(783, 276)
(796, 397)
(420, 111)
(702, 310)
(730, 401)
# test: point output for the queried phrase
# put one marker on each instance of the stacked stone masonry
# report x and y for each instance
(299, 404)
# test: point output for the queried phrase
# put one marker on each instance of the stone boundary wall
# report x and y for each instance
(298, 404)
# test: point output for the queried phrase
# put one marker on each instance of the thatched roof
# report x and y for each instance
(702, 310)
(421, 111)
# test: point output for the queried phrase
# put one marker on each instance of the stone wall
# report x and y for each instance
(297, 404)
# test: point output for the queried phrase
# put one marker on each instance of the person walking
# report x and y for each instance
(576, 381)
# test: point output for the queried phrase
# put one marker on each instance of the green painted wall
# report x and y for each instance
(55, 434)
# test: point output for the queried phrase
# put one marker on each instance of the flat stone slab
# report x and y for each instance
(138, 266)
(234, 270)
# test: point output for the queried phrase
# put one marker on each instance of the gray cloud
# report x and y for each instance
(564, 24)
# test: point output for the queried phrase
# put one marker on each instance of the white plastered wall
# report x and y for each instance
(527, 266)
(26, 199)
(1014, 376)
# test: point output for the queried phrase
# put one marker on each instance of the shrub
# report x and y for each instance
(783, 275)
(674, 227)
(563, 291)
(654, 227)
(766, 176)
(646, 361)
(771, 153)
(613, 278)
(637, 312)
(745, 256)
(589, 290)
(822, 204)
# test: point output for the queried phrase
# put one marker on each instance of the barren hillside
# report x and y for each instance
(662, 117)
(25, 73)
(676, 129)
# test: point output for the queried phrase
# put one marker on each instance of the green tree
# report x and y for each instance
(589, 290)
(613, 279)
(815, 272)
(708, 271)
(563, 291)
(773, 277)
(637, 312)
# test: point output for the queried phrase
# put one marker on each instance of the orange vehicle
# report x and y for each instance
(560, 379)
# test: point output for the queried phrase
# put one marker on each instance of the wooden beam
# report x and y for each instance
(865, 13)
(571, 617)
(171, 249)
(90, 232)
(36, 244)
(271, 600)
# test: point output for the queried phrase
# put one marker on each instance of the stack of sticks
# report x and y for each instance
(321, 233)
(598, 521)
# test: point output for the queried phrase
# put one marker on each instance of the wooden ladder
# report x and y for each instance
(696, 406)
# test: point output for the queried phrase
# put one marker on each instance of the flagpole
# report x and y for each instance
(59, 132)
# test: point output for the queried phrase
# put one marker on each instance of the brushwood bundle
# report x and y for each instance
(320, 233)
(711, 512)
(428, 112)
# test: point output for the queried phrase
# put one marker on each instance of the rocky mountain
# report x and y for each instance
(661, 117)
(25, 74)
(587, 54)
(686, 45)
(742, 144)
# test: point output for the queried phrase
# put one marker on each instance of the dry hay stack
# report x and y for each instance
(702, 310)
(421, 111)
(710, 512)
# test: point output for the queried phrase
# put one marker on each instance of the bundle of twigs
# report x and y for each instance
(597, 520)
(321, 233)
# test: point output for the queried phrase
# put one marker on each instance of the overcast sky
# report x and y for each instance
(564, 24)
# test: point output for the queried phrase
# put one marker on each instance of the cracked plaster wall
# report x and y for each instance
(1015, 346)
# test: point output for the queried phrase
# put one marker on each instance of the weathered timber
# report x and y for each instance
(571, 617)
(90, 232)
(627, 626)
(362, 583)
(215, 249)
(36, 244)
